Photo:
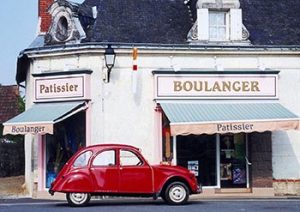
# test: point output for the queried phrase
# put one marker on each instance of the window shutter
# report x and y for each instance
(235, 24)
(202, 18)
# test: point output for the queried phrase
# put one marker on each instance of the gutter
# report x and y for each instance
(159, 47)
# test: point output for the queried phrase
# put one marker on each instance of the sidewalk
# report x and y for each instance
(12, 187)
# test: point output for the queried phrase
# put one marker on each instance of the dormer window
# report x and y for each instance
(218, 26)
(219, 21)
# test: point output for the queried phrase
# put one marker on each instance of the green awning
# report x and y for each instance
(40, 118)
(207, 118)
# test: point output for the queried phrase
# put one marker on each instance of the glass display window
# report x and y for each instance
(68, 137)
(198, 154)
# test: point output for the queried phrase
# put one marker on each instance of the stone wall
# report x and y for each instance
(260, 149)
(287, 187)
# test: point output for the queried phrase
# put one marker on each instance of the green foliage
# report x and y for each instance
(21, 103)
(13, 138)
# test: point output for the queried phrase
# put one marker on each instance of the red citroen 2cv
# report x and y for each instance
(121, 170)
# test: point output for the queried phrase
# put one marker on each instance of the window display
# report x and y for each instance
(68, 137)
(198, 153)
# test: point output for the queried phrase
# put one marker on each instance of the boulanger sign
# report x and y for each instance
(237, 86)
(23, 129)
(60, 88)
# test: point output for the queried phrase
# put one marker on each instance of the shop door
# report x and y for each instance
(233, 157)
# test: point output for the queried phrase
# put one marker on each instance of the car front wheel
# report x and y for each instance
(176, 193)
(78, 199)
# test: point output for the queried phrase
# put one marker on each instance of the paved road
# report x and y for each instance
(148, 205)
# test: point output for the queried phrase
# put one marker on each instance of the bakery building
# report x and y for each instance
(211, 85)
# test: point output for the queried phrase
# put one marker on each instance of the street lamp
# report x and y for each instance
(110, 57)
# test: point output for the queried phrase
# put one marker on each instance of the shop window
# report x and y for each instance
(83, 159)
(198, 154)
(167, 140)
(106, 158)
(128, 158)
(68, 137)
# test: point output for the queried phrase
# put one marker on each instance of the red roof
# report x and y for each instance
(8, 102)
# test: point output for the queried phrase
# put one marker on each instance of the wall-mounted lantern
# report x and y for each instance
(109, 57)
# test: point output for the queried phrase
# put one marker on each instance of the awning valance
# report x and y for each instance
(202, 118)
(40, 118)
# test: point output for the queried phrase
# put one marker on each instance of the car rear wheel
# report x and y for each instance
(78, 199)
(176, 193)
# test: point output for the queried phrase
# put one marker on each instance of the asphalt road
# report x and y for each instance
(148, 205)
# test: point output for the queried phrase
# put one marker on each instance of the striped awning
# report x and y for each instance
(40, 118)
(207, 118)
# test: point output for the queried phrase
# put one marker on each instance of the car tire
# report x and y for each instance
(78, 199)
(176, 193)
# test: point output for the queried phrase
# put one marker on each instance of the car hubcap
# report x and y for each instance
(78, 198)
(177, 194)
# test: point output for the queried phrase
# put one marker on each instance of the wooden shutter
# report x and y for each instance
(235, 24)
(202, 18)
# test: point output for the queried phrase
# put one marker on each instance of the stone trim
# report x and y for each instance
(218, 4)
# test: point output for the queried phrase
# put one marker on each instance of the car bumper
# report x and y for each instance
(199, 189)
(51, 192)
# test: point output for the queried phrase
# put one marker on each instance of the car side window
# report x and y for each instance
(105, 158)
(128, 158)
(83, 159)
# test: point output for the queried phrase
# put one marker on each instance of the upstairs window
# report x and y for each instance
(218, 26)
(223, 25)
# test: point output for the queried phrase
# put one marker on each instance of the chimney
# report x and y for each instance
(44, 16)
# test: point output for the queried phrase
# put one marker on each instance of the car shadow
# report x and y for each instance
(129, 202)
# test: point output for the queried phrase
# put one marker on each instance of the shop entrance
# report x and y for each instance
(233, 157)
(69, 136)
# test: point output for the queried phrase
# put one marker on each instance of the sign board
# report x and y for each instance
(23, 129)
(61, 88)
(212, 86)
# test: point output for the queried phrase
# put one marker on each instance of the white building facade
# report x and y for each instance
(225, 109)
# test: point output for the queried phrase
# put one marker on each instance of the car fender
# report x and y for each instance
(174, 178)
(77, 182)
(166, 174)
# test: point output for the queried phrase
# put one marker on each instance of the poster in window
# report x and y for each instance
(226, 171)
(193, 166)
(239, 175)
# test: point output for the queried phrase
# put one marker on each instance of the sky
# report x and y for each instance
(18, 22)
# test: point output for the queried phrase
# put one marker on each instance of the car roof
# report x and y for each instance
(107, 146)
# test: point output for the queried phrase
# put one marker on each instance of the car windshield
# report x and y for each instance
(83, 159)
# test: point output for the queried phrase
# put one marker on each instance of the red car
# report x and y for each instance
(121, 170)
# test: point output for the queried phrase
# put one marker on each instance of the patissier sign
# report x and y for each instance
(216, 86)
(61, 88)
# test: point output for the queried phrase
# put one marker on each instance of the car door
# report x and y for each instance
(135, 173)
(105, 171)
